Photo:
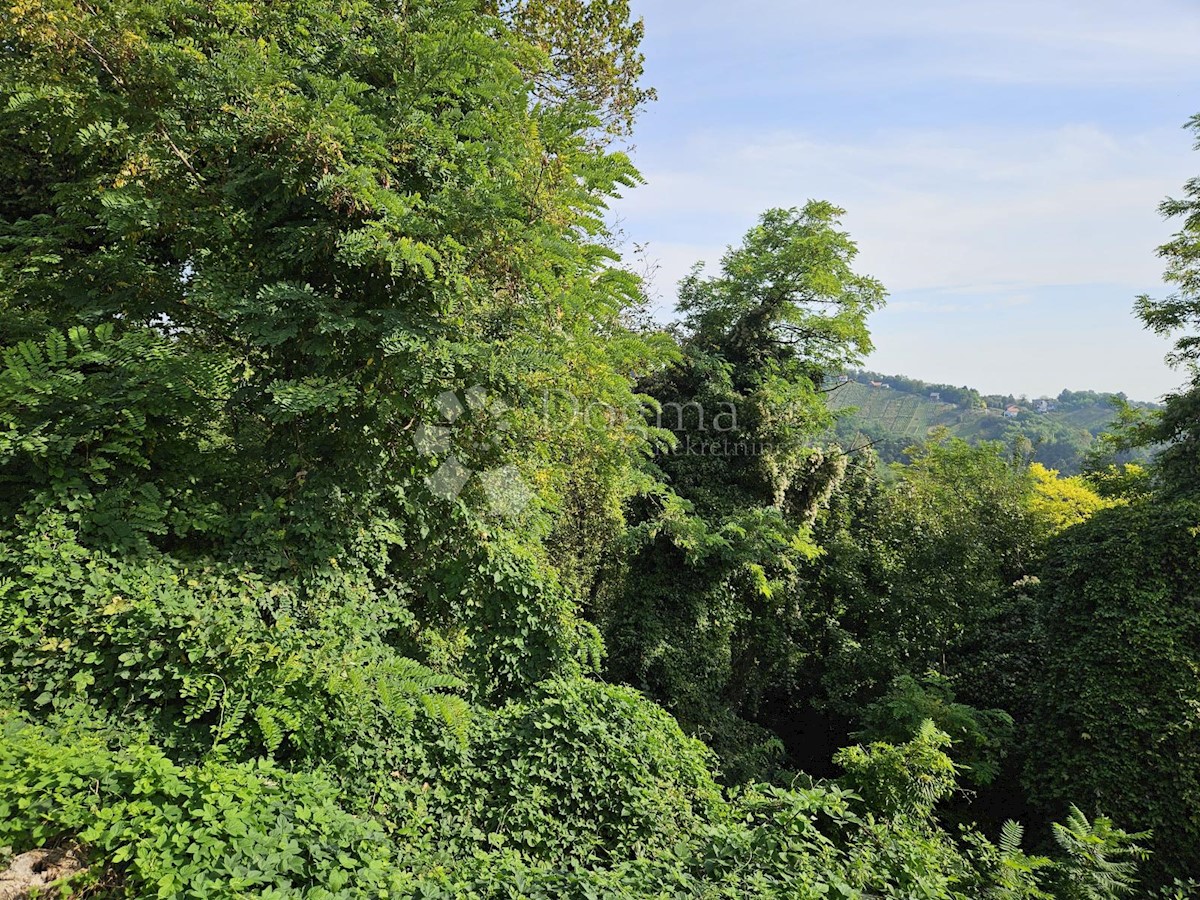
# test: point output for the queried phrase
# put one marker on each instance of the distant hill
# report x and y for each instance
(894, 412)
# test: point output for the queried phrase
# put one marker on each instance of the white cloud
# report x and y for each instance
(961, 209)
(989, 238)
(1064, 42)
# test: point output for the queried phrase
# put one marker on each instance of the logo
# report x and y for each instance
(505, 489)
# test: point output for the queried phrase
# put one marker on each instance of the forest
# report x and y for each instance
(362, 535)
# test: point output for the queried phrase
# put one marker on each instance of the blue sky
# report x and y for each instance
(1001, 164)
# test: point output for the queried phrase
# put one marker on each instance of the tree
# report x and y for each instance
(1063, 502)
(1178, 426)
(592, 55)
(710, 579)
(245, 259)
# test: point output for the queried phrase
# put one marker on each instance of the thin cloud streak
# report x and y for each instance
(945, 209)
(1015, 42)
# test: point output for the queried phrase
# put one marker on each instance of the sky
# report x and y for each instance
(1001, 165)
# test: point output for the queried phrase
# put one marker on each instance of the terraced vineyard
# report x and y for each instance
(899, 414)
(890, 420)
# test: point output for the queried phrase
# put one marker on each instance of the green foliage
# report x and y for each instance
(907, 779)
(272, 242)
(592, 55)
(216, 830)
(787, 293)
(1179, 890)
(205, 656)
(638, 817)
(1100, 859)
(110, 425)
(590, 772)
(912, 567)
(1177, 315)
(1125, 481)
(981, 738)
(1179, 310)
(1114, 712)
(703, 619)
(1006, 871)
(224, 829)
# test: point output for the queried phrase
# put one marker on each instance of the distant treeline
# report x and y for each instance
(969, 397)
(892, 412)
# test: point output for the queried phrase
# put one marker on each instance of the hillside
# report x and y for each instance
(893, 412)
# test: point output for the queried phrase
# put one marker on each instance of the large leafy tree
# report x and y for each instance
(244, 254)
(705, 617)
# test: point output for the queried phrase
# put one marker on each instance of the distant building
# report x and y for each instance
(1012, 412)
(877, 384)
(1045, 406)
(935, 396)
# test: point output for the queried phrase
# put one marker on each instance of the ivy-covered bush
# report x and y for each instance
(216, 829)
(590, 771)
(204, 656)
(226, 829)
(1116, 719)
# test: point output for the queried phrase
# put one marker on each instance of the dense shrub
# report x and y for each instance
(224, 829)
(590, 771)
(1115, 724)
(982, 738)
(205, 656)
(216, 829)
